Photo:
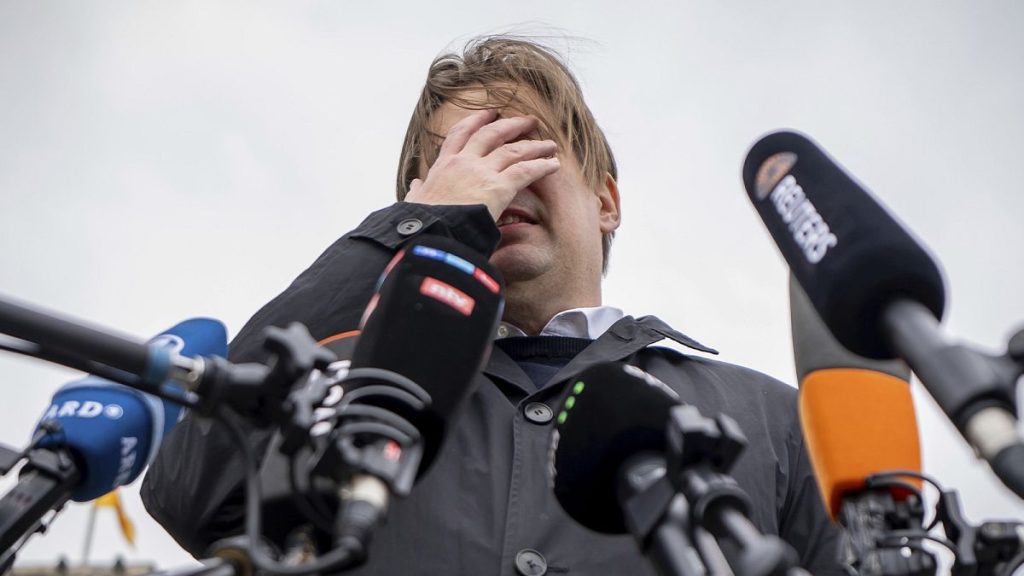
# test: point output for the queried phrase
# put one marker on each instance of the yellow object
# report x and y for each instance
(112, 499)
(857, 423)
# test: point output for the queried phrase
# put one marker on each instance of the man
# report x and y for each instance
(503, 155)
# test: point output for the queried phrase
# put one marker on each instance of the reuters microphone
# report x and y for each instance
(879, 292)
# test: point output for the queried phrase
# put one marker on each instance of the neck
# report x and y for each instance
(531, 313)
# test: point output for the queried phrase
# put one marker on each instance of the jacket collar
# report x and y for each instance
(623, 339)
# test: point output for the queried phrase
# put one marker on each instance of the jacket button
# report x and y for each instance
(409, 226)
(529, 562)
(538, 413)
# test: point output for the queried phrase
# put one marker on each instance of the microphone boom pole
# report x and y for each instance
(72, 337)
(975, 390)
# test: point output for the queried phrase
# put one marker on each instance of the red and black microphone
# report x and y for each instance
(432, 320)
(425, 335)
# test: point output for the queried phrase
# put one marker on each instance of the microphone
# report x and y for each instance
(113, 431)
(878, 291)
(857, 414)
(607, 464)
(96, 436)
(858, 421)
(425, 335)
(617, 411)
(851, 257)
(432, 320)
(628, 456)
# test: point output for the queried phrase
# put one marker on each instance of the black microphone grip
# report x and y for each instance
(659, 517)
(45, 484)
(672, 551)
(759, 554)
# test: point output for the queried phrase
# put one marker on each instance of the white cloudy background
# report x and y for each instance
(161, 160)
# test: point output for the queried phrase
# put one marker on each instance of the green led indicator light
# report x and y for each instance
(562, 416)
(570, 402)
(578, 387)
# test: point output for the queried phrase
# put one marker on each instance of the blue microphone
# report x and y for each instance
(113, 431)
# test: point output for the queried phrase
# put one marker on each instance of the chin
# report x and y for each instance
(518, 263)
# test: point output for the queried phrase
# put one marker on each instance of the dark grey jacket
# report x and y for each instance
(486, 499)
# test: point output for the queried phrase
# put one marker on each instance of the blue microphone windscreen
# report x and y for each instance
(113, 431)
(193, 337)
(107, 427)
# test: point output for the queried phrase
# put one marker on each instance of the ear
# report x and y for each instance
(610, 214)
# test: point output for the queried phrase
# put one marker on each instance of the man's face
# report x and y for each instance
(552, 230)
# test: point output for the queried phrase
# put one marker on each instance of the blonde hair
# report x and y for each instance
(502, 65)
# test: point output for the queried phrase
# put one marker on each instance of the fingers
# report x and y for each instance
(522, 174)
(461, 131)
(501, 131)
(508, 154)
(485, 160)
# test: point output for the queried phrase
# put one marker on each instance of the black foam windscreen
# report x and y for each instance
(851, 257)
(613, 411)
(432, 320)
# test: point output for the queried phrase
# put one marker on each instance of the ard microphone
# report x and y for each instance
(849, 254)
(857, 414)
(113, 431)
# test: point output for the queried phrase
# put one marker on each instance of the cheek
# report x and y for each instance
(572, 209)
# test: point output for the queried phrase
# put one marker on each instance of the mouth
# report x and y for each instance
(512, 217)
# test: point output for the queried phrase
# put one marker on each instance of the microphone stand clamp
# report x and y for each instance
(701, 452)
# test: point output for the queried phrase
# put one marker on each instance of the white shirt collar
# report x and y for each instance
(576, 323)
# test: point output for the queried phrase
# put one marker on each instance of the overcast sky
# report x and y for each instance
(162, 160)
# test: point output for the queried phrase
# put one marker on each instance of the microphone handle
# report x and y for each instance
(719, 506)
(658, 517)
(758, 554)
(971, 388)
(45, 484)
